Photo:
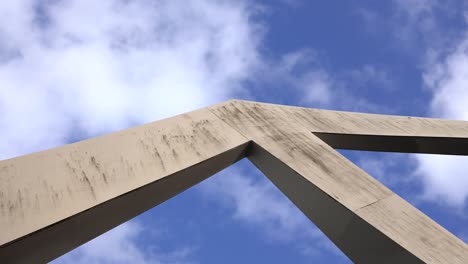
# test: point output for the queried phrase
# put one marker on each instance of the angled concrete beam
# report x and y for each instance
(53, 201)
(366, 220)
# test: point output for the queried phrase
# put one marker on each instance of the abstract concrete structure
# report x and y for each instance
(55, 200)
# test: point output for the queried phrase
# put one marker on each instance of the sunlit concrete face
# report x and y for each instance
(56, 200)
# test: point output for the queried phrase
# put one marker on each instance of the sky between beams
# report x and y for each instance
(70, 70)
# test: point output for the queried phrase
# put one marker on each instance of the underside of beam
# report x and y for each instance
(402, 144)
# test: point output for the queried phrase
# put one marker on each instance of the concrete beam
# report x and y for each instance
(366, 220)
(56, 200)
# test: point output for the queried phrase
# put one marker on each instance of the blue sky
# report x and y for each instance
(71, 70)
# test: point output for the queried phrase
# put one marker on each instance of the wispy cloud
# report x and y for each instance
(415, 27)
(120, 245)
(257, 203)
(420, 27)
(100, 66)
(75, 69)
(445, 177)
(391, 169)
(302, 76)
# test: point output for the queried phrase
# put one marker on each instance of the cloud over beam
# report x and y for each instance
(92, 67)
(444, 176)
(74, 69)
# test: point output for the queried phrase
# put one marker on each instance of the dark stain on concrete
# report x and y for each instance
(159, 158)
(165, 140)
(174, 153)
(88, 183)
(11, 207)
(104, 177)
(95, 163)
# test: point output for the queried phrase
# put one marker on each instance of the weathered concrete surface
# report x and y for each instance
(359, 240)
(55, 200)
(360, 131)
(366, 220)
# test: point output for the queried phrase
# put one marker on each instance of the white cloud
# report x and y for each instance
(301, 74)
(83, 67)
(370, 74)
(79, 68)
(445, 177)
(100, 66)
(415, 26)
(389, 168)
(312, 84)
(420, 26)
(257, 203)
(120, 245)
(316, 88)
(415, 8)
